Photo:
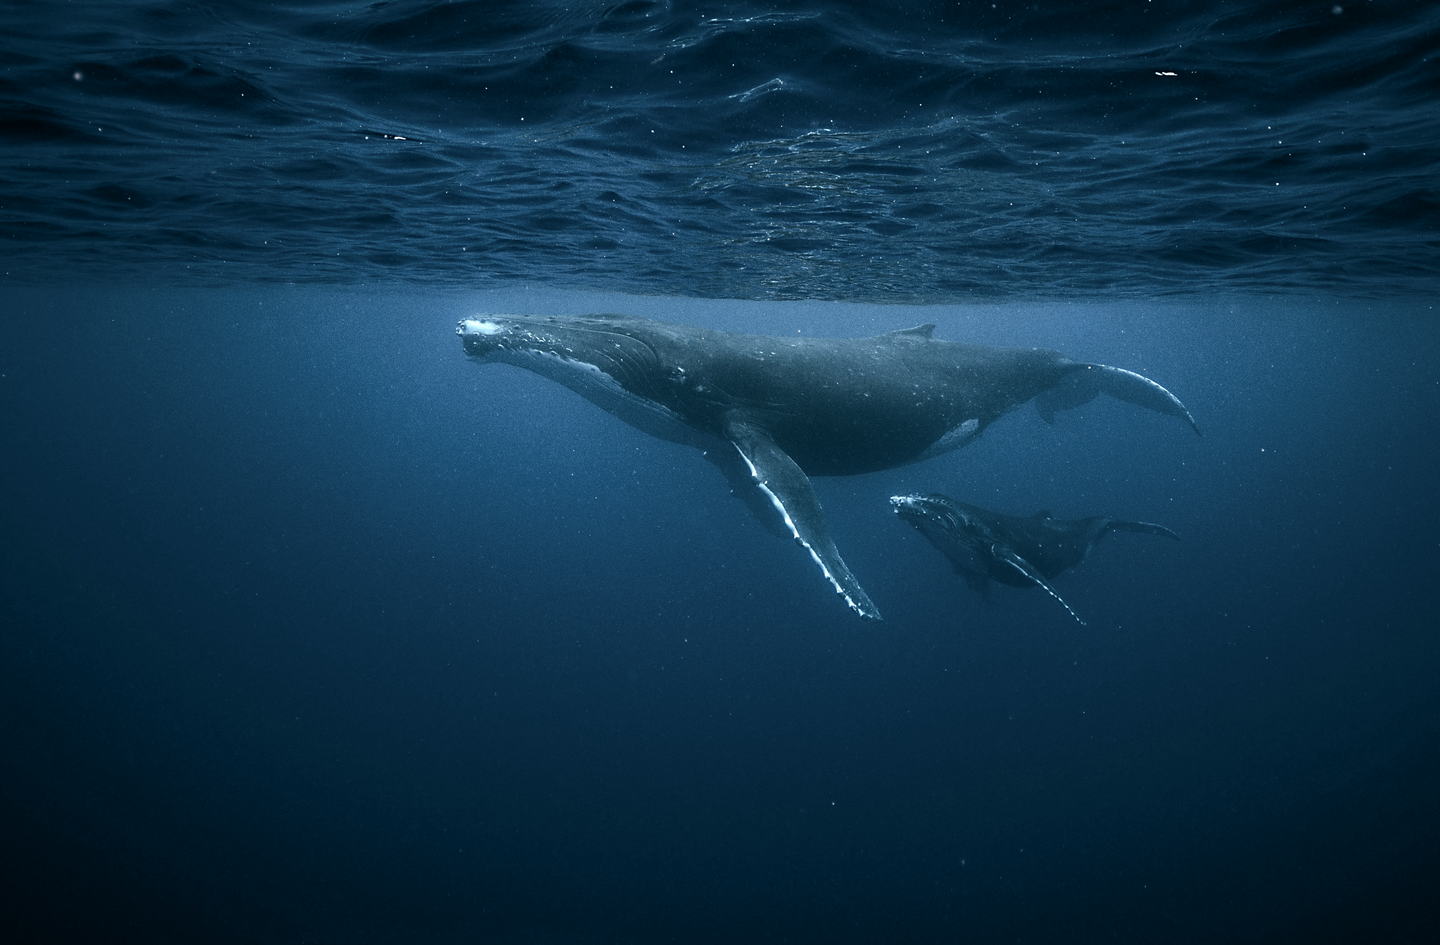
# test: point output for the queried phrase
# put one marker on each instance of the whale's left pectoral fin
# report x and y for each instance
(1007, 556)
(789, 489)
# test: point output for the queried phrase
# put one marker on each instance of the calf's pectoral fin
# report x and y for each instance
(1007, 555)
(789, 489)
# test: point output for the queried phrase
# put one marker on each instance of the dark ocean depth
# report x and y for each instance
(314, 631)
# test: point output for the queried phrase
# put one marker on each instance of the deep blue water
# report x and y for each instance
(313, 631)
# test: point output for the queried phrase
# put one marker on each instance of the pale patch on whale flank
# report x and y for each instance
(954, 438)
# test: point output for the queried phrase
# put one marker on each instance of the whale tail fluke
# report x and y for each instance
(1090, 380)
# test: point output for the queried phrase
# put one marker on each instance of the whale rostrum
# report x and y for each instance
(773, 411)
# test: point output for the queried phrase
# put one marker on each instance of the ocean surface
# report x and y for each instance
(313, 631)
(905, 151)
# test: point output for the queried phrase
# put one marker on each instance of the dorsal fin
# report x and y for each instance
(922, 332)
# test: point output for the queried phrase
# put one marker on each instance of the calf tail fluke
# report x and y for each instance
(1144, 528)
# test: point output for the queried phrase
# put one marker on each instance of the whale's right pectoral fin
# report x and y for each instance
(737, 472)
(1006, 555)
(789, 489)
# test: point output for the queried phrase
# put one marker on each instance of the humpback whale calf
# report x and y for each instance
(771, 412)
(1020, 552)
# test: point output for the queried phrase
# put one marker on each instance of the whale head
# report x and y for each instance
(597, 356)
(939, 512)
(599, 342)
(486, 336)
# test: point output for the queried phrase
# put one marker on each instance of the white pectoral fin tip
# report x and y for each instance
(859, 601)
(1066, 606)
(855, 598)
(1051, 591)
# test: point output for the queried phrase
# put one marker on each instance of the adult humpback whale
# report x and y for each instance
(1020, 552)
(771, 412)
